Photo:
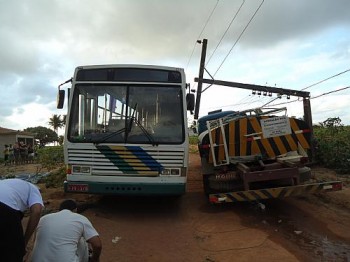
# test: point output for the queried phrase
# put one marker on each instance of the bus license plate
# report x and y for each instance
(78, 188)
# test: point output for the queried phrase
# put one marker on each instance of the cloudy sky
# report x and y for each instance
(282, 43)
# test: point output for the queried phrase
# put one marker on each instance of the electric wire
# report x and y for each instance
(200, 34)
(244, 99)
(239, 37)
(324, 80)
(222, 37)
(330, 92)
(314, 97)
(317, 83)
(283, 103)
(273, 99)
(238, 104)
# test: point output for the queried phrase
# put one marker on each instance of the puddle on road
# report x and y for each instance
(314, 240)
(319, 246)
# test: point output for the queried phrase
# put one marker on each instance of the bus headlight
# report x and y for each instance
(81, 170)
(171, 172)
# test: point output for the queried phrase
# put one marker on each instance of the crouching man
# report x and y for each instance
(65, 236)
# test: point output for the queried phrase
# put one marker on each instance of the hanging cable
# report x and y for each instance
(239, 9)
(317, 83)
(239, 37)
(200, 34)
(283, 103)
(327, 93)
(330, 92)
(324, 80)
(273, 99)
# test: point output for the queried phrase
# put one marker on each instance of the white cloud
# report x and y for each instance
(29, 115)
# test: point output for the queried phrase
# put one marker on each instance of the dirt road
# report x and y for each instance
(313, 228)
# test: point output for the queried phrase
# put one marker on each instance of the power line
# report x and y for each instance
(317, 83)
(270, 101)
(314, 97)
(239, 37)
(330, 92)
(324, 80)
(200, 34)
(288, 102)
(244, 99)
(283, 103)
(239, 9)
(233, 105)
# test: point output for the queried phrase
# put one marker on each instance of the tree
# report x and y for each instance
(333, 125)
(43, 134)
(56, 122)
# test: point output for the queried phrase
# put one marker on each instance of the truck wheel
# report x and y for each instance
(304, 174)
(213, 184)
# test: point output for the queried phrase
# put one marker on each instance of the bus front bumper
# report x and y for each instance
(111, 188)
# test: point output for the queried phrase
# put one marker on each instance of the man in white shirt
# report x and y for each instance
(16, 197)
(63, 236)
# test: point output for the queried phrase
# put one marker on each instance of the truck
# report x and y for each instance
(256, 154)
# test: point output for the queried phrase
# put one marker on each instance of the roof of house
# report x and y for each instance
(7, 131)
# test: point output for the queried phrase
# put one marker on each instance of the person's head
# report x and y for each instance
(69, 204)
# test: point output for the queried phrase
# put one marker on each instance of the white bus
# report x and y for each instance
(126, 130)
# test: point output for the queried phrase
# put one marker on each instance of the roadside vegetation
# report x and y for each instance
(193, 144)
(332, 143)
(52, 159)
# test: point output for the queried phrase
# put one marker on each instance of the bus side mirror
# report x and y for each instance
(60, 99)
(190, 101)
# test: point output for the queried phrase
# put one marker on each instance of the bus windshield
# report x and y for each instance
(112, 113)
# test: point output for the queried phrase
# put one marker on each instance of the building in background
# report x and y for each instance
(10, 136)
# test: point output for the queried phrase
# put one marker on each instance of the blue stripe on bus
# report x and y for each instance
(136, 151)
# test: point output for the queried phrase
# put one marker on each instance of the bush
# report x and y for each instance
(333, 147)
(51, 157)
(55, 178)
(193, 140)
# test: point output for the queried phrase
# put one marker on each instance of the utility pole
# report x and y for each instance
(200, 77)
(308, 120)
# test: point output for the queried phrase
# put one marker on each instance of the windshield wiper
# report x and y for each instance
(146, 133)
(132, 119)
(127, 130)
(109, 135)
